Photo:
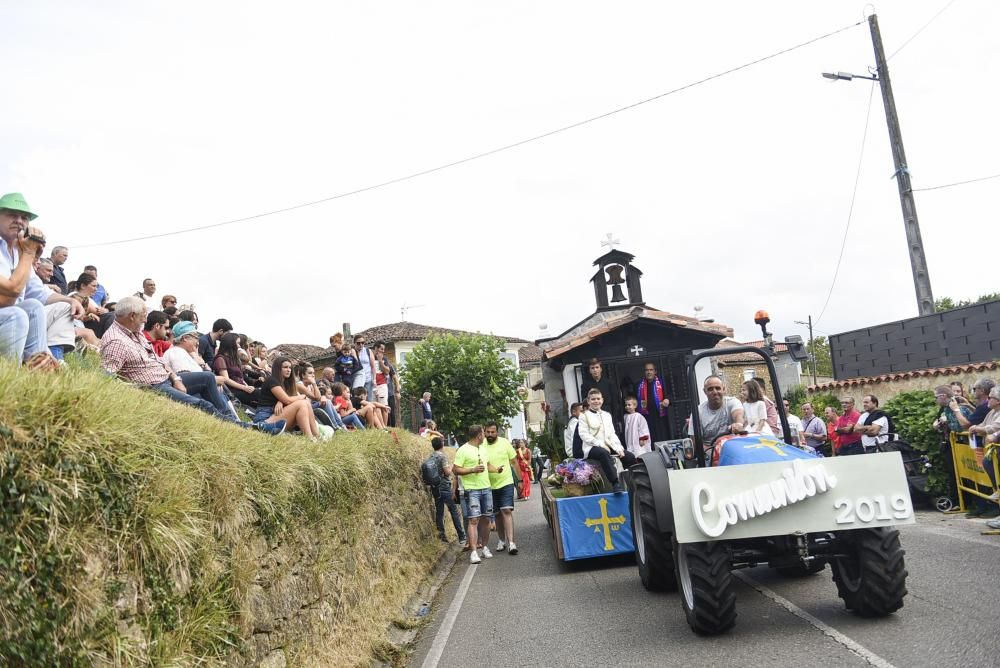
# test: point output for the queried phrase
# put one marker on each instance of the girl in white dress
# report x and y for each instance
(754, 409)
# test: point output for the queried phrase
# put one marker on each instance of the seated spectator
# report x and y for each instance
(168, 301)
(147, 292)
(43, 269)
(347, 365)
(187, 315)
(58, 258)
(377, 416)
(430, 430)
(280, 400)
(227, 366)
(84, 327)
(33, 318)
(125, 352)
(182, 357)
(598, 441)
(328, 376)
(101, 295)
(345, 408)
(305, 375)
(207, 342)
(155, 330)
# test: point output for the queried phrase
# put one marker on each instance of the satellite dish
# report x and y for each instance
(698, 308)
(543, 325)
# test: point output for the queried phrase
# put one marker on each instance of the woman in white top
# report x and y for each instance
(754, 409)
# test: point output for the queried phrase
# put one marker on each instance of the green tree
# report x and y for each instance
(947, 303)
(913, 414)
(820, 347)
(469, 380)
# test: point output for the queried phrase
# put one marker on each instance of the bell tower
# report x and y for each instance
(615, 270)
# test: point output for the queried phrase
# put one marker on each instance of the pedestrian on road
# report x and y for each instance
(470, 463)
(524, 464)
(444, 494)
(502, 462)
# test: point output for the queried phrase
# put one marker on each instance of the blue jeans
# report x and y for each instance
(202, 392)
(328, 409)
(370, 389)
(443, 499)
(22, 329)
(353, 420)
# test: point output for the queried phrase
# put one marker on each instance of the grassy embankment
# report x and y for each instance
(134, 530)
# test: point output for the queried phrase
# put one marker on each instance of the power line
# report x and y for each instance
(914, 35)
(959, 183)
(476, 156)
(850, 210)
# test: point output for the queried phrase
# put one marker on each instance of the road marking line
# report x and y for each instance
(441, 639)
(837, 636)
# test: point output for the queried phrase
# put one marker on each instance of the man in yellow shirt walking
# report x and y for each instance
(502, 461)
(471, 464)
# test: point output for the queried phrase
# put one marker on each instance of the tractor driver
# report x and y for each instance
(719, 415)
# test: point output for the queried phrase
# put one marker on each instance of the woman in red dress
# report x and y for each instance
(524, 464)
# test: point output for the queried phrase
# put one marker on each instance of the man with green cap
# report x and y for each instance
(30, 313)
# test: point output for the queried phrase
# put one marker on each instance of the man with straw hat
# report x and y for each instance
(31, 316)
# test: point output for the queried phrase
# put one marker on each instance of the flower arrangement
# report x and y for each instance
(577, 472)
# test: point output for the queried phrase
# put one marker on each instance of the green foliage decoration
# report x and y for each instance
(796, 396)
(912, 414)
(469, 380)
(550, 441)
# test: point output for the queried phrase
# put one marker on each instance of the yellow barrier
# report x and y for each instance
(970, 475)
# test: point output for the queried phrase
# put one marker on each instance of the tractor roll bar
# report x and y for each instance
(692, 360)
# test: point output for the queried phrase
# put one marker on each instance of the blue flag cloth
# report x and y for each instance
(757, 449)
(595, 526)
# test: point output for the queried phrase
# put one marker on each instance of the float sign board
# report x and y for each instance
(779, 498)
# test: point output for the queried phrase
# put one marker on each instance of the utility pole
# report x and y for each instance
(918, 262)
(812, 344)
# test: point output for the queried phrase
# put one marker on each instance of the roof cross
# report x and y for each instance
(610, 242)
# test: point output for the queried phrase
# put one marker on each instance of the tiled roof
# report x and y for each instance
(904, 375)
(603, 322)
(529, 355)
(746, 358)
(411, 331)
(298, 351)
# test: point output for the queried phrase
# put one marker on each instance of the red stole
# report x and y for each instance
(657, 396)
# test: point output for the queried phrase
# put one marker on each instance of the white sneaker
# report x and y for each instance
(500, 546)
(487, 553)
(995, 496)
(512, 548)
(474, 558)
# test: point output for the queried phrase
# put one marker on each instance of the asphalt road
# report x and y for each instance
(533, 610)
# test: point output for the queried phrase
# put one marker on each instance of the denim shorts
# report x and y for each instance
(263, 413)
(480, 503)
(503, 497)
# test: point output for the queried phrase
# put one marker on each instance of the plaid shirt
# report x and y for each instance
(130, 355)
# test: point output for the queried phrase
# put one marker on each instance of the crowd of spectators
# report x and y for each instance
(155, 343)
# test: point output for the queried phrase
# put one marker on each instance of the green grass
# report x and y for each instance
(127, 522)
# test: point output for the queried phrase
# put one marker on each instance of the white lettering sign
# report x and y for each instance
(796, 483)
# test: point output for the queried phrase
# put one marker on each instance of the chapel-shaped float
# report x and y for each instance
(625, 334)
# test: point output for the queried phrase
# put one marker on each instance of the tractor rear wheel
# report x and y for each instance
(652, 546)
(708, 591)
(872, 578)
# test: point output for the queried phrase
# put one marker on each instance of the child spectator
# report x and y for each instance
(346, 410)
(366, 409)
(346, 365)
(305, 375)
(637, 440)
(754, 408)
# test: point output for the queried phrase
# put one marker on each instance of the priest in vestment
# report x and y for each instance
(653, 402)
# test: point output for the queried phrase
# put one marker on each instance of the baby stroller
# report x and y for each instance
(917, 467)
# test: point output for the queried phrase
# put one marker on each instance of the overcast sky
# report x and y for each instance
(123, 119)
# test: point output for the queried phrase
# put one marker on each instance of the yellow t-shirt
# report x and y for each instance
(499, 454)
(469, 456)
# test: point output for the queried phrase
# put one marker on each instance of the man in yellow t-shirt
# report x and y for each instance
(474, 469)
(502, 460)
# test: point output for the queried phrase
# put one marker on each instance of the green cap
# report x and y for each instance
(15, 202)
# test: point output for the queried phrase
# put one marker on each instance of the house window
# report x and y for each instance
(749, 374)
